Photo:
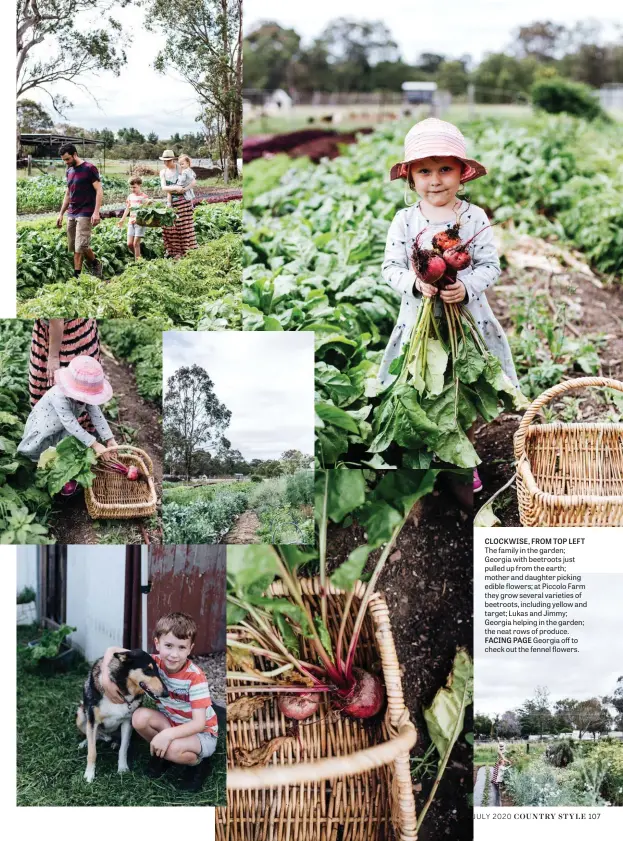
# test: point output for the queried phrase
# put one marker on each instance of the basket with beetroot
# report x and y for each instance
(117, 484)
(445, 376)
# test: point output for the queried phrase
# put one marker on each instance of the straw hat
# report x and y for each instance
(167, 155)
(83, 380)
(436, 138)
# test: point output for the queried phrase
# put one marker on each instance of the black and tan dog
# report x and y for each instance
(136, 675)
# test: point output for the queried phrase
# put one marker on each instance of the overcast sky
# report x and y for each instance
(504, 681)
(265, 379)
(452, 28)
(138, 98)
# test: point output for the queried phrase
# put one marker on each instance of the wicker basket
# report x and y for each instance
(113, 497)
(570, 474)
(353, 781)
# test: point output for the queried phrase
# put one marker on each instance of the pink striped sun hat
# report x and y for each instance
(83, 380)
(436, 138)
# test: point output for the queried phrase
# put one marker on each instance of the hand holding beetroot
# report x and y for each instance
(437, 267)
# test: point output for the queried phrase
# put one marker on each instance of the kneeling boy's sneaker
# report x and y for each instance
(193, 776)
(156, 767)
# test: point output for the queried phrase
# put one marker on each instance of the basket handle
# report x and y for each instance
(325, 769)
(143, 455)
(553, 392)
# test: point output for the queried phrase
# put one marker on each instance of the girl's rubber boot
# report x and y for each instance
(477, 482)
(70, 488)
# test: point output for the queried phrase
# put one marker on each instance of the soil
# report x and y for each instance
(601, 313)
(314, 143)
(71, 523)
(244, 530)
(428, 587)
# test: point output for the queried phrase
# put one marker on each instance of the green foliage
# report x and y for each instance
(560, 754)
(156, 216)
(69, 460)
(140, 343)
(201, 521)
(26, 596)
(23, 507)
(558, 95)
(45, 192)
(49, 645)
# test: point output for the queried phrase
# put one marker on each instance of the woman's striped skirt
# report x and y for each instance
(181, 237)
(80, 338)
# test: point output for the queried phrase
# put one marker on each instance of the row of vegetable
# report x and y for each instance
(314, 244)
(191, 292)
(45, 192)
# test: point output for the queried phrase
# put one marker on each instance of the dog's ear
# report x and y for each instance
(120, 655)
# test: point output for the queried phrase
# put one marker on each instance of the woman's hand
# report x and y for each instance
(54, 364)
(454, 293)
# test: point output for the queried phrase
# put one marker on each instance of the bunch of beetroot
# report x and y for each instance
(439, 265)
(131, 472)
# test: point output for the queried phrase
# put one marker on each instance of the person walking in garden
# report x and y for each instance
(55, 342)
(82, 200)
(137, 198)
(177, 182)
(497, 775)
(435, 166)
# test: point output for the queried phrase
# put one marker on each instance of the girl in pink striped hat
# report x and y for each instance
(80, 387)
(434, 166)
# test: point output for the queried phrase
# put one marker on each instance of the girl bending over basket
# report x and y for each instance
(80, 387)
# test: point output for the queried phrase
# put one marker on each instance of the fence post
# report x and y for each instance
(470, 101)
(29, 165)
(226, 170)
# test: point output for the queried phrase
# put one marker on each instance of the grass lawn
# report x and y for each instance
(50, 766)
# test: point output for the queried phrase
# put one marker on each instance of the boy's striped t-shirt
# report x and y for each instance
(188, 690)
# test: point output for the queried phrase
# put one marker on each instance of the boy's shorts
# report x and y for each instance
(135, 230)
(79, 234)
(208, 744)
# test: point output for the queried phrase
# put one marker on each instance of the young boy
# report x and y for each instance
(184, 729)
(136, 199)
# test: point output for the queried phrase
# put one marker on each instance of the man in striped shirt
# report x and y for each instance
(184, 729)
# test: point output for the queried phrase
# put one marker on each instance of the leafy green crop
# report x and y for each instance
(156, 216)
(70, 459)
(140, 343)
(50, 643)
(45, 192)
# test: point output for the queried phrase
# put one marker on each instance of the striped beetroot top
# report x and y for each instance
(188, 690)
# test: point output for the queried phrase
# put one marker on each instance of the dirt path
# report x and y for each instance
(244, 530)
(137, 423)
(601, 313)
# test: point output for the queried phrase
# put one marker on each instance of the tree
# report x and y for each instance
(204, 45)
(617, 702)
(269, 53)
(130, 135)
(483, 726)
(52, 47)
(106, 137)
(452, 77)
(503, 78)
(152, 137)
(508, 726)
(294, 460)
(542, 40)
(193, 416)
(430, 62)
(353, 48)
(32, 118)
(535, 717)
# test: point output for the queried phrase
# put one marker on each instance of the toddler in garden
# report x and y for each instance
(136, 199)
(184, 728)
(435, 165)
(80, 387)
(184, 182)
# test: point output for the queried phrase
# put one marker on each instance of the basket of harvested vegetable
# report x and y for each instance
(318, 718)
(155, 215)
(124, 488)
(569, 474)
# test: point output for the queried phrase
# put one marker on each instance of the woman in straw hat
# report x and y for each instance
(178, 184)
(80, 386)
(434, 166)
